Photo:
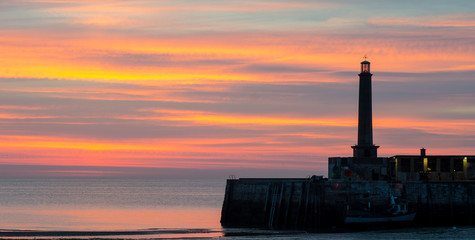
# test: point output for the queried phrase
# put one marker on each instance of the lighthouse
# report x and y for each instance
(365, 163)
(365, 149)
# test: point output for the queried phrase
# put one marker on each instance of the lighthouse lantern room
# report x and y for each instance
(365, 67)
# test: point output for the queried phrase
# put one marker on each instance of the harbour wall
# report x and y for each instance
(320, 205)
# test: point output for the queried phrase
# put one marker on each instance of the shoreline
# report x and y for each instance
(153, 233)
(44, 233)
(462, 232)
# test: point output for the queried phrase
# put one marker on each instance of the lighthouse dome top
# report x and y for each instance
(365, 67)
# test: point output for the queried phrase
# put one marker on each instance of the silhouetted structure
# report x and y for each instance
(365, 163)
(430, 189)
(365, 147)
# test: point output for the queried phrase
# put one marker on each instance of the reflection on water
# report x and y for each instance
(108, 219)
(109, 204)
(139, 234)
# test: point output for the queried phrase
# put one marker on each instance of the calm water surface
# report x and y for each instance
(110, 204)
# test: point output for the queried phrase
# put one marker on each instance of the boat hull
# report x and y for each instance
(380, 219)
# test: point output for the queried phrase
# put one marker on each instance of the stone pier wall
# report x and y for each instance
(442, 203)
(316, 204)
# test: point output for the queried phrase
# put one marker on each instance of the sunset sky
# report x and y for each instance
(213, 88)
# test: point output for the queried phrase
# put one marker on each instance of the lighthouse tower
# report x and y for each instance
(365, 147)
(365, 163)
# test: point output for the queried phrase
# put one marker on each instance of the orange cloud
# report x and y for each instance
(441, 21)
(20, 116)
(171, 153)
(437, 126)
(193, 58)
(189, 67)
(234, 119)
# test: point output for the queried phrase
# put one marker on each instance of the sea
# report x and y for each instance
(137, 208)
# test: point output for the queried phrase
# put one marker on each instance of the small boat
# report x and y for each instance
(397, 213)
(369, 219)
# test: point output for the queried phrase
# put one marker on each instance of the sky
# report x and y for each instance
(207, 88)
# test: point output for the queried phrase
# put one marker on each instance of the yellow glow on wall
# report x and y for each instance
(465, 164)
(425, 164)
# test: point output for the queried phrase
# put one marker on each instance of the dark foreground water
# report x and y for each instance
(145, 209)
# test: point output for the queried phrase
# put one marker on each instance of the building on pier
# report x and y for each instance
(432, 167)
(366, 165)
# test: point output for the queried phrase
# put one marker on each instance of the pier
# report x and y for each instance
(320, 205)
(363, 190)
